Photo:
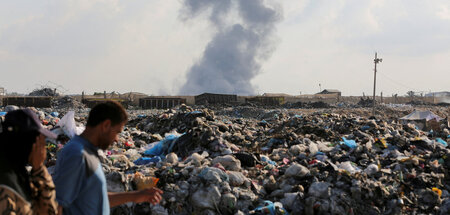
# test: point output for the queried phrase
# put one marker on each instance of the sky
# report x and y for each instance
(150, 46)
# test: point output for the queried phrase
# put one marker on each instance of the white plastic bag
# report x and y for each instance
(67, 123)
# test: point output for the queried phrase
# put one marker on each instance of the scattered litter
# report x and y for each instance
(252, 160)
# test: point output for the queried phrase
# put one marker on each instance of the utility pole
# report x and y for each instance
(376, 61)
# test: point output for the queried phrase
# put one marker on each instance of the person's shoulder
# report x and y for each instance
(73, 147)
(11, 196)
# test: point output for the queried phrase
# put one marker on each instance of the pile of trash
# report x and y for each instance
(44, 92)
(365, 102)
(318, 104)
(67, 102)
(247, 160)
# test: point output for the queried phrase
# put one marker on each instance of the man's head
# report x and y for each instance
(19, 131)
(108, 120)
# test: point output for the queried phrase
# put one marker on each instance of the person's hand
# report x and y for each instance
(38, 152)
(152, 195)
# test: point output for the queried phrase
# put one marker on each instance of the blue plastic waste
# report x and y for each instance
(147, 160)
(349, 143)
(194, 112)
(54, 114)
(2, 113)
(269, 208)
(320, 153)
(439, 140)
(155, 150)
(366, 127)
(141, 116)
(162, 147)
(265, 159)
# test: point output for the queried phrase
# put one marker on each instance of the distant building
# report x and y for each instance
(330, 91)
(277, 95)
(133, 97)
(160, 102)
(2, 91)
(210, 98)
(438, 94)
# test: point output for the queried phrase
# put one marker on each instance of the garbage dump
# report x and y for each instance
(44, 92)
(249, 160)
(66, 102)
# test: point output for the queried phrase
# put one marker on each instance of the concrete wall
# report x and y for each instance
(28, 101)
(211, 98)
(154, 102)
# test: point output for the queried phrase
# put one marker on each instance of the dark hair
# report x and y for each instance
(16, 150)
(111, 110)
(18, 146)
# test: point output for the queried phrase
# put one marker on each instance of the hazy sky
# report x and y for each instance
(147, 46)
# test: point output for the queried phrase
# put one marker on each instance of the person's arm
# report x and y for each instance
(60, 210)
(68, 177)
(44, 195)
(151, 195)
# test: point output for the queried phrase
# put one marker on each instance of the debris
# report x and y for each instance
(247, 159)
(44, 92)
(143, 182)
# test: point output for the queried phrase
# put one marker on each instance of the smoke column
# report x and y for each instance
(235, 53)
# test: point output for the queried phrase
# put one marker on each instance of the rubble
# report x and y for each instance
(44, 92)
(67, 102)
(250, 160)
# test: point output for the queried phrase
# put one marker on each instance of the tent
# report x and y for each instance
(421, 115)
(423, 119)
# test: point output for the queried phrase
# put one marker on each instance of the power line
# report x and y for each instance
(398, 83)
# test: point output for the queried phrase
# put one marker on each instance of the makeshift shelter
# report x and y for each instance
(424, 120)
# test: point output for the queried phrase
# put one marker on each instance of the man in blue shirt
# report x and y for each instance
(79, 179)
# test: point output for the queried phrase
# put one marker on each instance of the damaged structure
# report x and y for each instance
(211, 98)
(160, 102)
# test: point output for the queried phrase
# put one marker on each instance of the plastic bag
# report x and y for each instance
(349, 143)
(271, 208)
(146, 160)
(267, 160)
(144, 182)
(441, 141)
(347, 166)
(161, 148)
(67, 123)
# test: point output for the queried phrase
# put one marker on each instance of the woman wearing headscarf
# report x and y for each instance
(22, 143)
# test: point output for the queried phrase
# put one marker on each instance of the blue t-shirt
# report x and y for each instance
(79, 179)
